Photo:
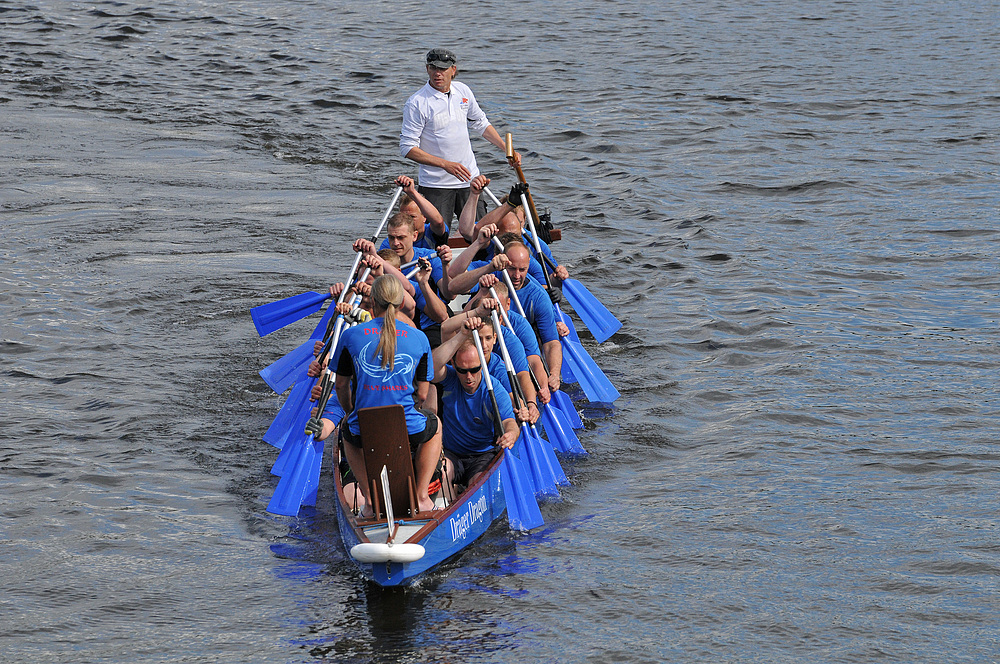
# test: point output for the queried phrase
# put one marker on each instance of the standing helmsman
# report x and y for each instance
(435, 134)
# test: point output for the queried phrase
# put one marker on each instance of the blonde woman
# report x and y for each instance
(383, 358)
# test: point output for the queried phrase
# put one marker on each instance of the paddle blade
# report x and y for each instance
(559, 432)
(535, 463)
(601, 322)
(569, 323)
(522, 508)
(595, 384)
(547, 455)
(312, 485)
(567, 371)
(277, 433)
(568, 409)
(283, 372)
(291, 491)
(273, 316)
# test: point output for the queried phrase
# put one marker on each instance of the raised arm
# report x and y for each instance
(464, 282)
(461, 264)
(426, 207)
(443, 353)
(467, 218)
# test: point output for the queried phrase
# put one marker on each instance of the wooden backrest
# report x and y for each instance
(386, 443)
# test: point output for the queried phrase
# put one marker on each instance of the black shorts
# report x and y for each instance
(433, 333)
(466, 467)
(449, 202)
(416, 439)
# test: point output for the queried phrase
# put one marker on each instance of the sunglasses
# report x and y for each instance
(470, 370)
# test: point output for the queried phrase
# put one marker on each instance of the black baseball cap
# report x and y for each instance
(441, 58)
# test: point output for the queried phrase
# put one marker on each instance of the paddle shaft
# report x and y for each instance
(496, 201)
(328, 347)
(508, 363)
(326, 379)
(534, 239)
(485, 375)
(506, 321)
(520, 175)
(374, 238)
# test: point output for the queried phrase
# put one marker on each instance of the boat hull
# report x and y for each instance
(445, 535)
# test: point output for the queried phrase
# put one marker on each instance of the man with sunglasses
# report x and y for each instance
(435, 134)
(470, 435)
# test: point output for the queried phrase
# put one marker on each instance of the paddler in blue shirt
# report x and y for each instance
(537, 306)
(470, 434)
(379, 364)
(401, 235)
(480, 307)
(524, 332)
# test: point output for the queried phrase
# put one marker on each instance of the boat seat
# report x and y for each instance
(385, 442)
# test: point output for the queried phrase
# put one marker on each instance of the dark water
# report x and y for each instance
(793, 207)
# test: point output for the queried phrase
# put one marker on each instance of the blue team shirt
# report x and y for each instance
(499, 370)
(525, 334)
(375, 386)
(515, 348)
(538, 309)
(469, 425)
(428, 240)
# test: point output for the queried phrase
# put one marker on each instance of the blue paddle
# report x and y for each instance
(300, 453)
(277, 433)
(275, 315)
(598, 319)
(522, 508)
(291, 490)
(595, 384)
(567, 408)
(312, 480)
(290, 368)
(542, 474)
(515, 480)
(545, 469)
(601, 322)
(560, 435)
(287, 370)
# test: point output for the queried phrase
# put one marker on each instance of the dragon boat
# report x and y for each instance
(399, 542)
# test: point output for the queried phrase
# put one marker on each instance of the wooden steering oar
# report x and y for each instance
(598, 318)
(509, 144)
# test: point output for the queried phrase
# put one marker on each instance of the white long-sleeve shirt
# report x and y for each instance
(438, 123)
